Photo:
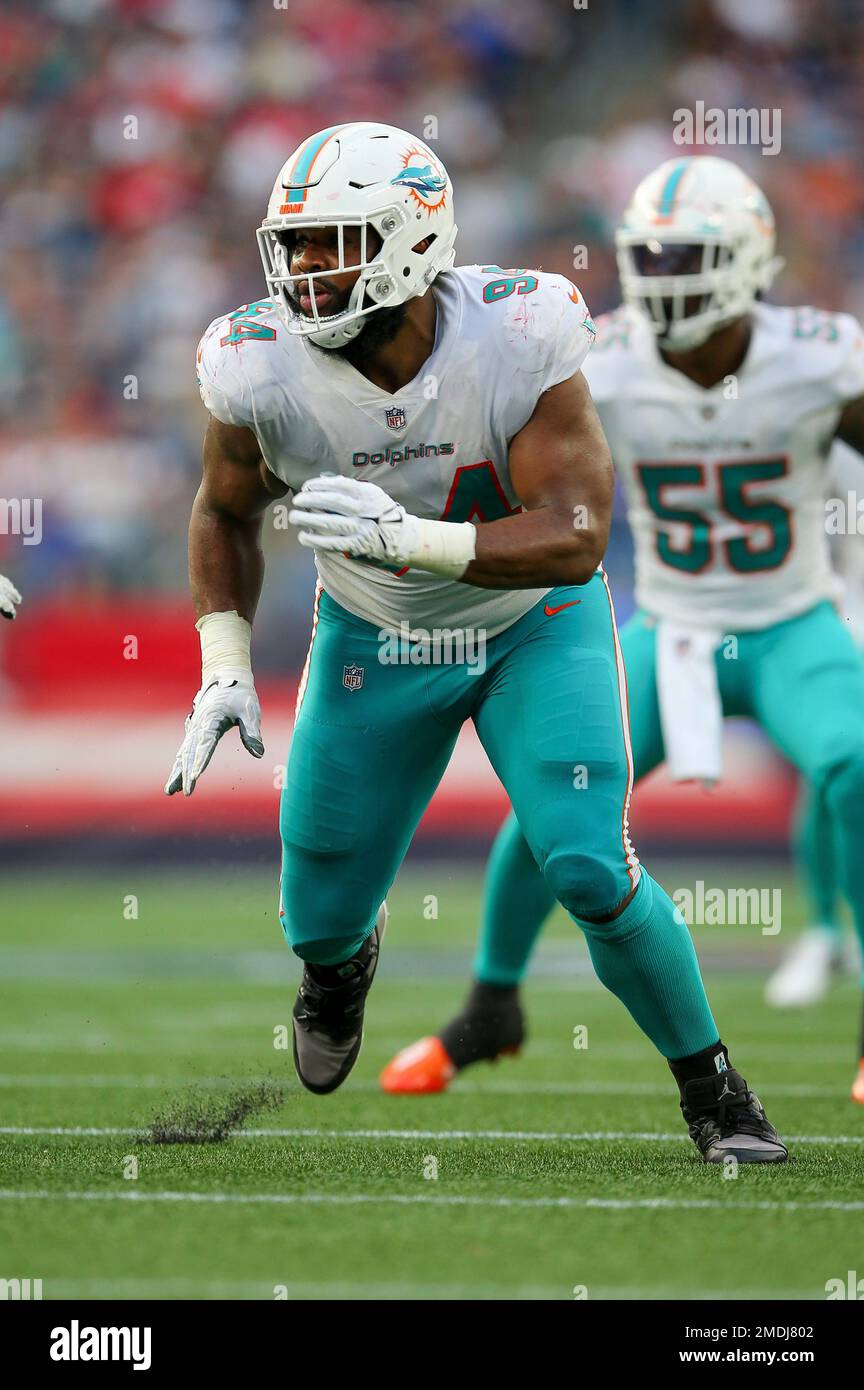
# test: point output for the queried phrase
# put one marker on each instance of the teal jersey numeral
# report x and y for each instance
(243, 325)
(762, 516)
(815, 323)
(741, 555)
(512, 282)
(695, 555)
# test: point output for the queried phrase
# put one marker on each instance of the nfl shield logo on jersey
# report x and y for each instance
(352, 677)
(395, 417)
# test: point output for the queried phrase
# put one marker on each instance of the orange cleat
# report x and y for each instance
(423, 1069)
(858, 1084)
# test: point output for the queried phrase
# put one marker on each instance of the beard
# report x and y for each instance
(380, 328)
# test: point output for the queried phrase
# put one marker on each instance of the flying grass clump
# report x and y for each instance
(208, 1119)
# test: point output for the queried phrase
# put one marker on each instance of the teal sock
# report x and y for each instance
(647, 959)
(844, 802)
(516, 904)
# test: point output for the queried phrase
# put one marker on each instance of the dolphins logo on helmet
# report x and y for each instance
(427, 184)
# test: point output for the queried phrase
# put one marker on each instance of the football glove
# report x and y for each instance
(356, 518)
(9, 598)
(228, 698)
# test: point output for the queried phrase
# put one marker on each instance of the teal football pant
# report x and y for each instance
(373, 737)
(802, 680)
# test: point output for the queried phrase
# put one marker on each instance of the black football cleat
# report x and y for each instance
(328, 1014)
(726, 1120)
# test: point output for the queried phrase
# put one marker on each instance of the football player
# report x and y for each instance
(720, 411)
(403, 402)
(9, 598)
(820, 953)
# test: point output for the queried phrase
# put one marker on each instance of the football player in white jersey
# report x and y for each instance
(720, 411)
(449, 471)
(9, 598)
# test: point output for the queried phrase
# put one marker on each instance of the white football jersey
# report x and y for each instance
(725, 487)
(439, 445)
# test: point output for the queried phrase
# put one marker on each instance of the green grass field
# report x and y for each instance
(560, 1169)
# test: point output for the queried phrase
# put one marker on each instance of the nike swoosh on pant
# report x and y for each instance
(550, 612)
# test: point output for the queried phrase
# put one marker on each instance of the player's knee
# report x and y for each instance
(588, 884)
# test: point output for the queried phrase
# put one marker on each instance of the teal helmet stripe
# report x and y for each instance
(670, 189)
(303, 165)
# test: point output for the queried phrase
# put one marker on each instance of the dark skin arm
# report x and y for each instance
(850, 427)
(562, 473)
(226, 563)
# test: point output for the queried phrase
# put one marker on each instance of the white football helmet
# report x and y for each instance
(359, 175)
(695, 248)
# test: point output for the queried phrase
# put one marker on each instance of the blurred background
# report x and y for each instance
(138, 143)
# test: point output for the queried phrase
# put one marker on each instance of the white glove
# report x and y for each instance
(9, 597)
(228, 698)
(356, 518)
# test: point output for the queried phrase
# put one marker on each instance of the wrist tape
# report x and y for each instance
(441, 547)
(226, 639)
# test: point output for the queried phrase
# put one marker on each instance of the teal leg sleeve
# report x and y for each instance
(647, 959)
(816, 854)
(517, 902)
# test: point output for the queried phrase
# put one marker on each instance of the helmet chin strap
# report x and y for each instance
(338, 336)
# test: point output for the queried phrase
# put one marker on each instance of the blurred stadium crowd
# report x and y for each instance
(139, 140)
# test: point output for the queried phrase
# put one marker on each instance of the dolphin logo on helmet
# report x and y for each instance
(360, 175)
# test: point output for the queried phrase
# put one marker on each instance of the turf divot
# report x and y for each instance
(211, 1119)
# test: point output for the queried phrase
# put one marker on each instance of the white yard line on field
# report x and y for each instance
(495, 1136)
(409, 1200)
(368, 1289)
(100, 1080)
